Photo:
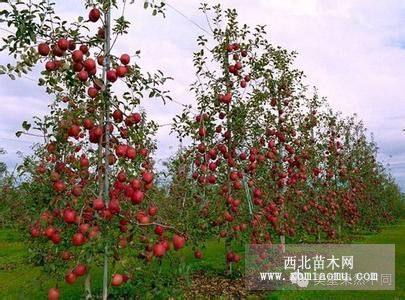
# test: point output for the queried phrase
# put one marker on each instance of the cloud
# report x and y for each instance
(353, 51)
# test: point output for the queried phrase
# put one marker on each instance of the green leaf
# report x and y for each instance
(18, 133)
(26, 125)
(145, 5)
(11, 76)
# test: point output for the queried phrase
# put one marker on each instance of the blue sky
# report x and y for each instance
(353, 51)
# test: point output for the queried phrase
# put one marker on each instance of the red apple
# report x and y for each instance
(77, 56)
(116, 280)
(63, 44)
(198, 254)
(69, 215)
(111, 76)
(125, 58)
(94, 15)
(83, 75)
(178, 241)
(98, 204)
(159, 250)
(53, 294)
(80, 270)
(70, 278)
(43, 49)
(121, 71)
(78, 239)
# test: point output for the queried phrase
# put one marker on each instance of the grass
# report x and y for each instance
(393, 234)
(20, 280)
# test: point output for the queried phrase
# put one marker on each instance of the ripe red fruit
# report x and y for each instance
(93, 72)
(136, 117)
(144, 152)
(69, 215)
(53, 294)
(78, 239)
(117, 115)
(50, 66)
(89, 64)
(202, 132)
(94, 15)
(80, 270)
(77, 56)
(92, 92)
(178, 241)
(243, 84)
(121, 71)
(74, 130)
(159, 230)
(77, 67)
(122, 176)
(98, 204)
(111, 76)
(55, 238)
(125, 278)
(84, 49)
(84, 227)
(165, 244)
(142, 218)
(147, 177)
(152, 211)
(198, 254)
(57, 51)
(230, 257)
(101, 33)
(125, 58)
(35, 232)
(159, 250)
(66, 255)
(70, 278)
(114, 206)
(257, 193)
(137, 197)
(88, 124)
(43, 49)
(226, 98)
(136, 184)
(212, 166)
(59, 186)
(49, 232)
(100, 60)
(234, 175)
(131, 152)
(63, 44)
(117, 280)
(72, 45)
(228, 217)
(83, 76)
(121, 150)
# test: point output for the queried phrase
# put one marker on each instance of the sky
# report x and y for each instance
(353, 51)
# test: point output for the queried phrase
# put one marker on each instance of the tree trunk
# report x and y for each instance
(106, 114)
